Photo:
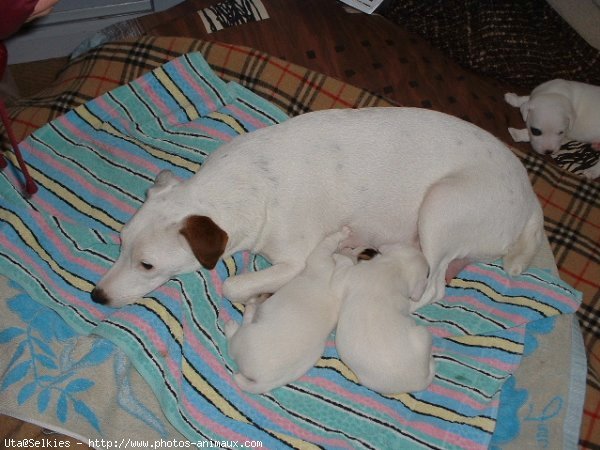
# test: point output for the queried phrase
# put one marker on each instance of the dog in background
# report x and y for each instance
(280, 339)
(558, 111)
(376, 337)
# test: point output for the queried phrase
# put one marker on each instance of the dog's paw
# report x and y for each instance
(231, 326)
(513, 268)
(519, 135)
(235, 291)
(515, 100)
(511, 98)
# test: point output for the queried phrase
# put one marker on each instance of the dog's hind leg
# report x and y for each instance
(521, 252)
(459, 220)
(440, 223)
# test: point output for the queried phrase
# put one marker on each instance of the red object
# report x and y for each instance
(13, 15)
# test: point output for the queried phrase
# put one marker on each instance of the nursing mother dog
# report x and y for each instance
(393, 175)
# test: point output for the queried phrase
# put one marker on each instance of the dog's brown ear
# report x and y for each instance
(206, 239)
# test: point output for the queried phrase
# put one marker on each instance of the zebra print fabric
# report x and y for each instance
(231, 13)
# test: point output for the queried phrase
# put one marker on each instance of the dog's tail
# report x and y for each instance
(522, 251)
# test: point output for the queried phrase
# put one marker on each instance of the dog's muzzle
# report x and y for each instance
(99, 296)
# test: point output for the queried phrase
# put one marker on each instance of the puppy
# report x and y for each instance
(557, 111)
(282, 338)
(376, 336)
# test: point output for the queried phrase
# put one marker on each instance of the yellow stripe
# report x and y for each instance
(233, 123)
(544, 309)
(72, 199)
(94, 122)
(413, 404)
(210, 393)
(194, 378)
(295, 442)
(230, 265)
(489, 341)
(31, 242)
(336, 364)
(437, 411)
(171, 322)
(176, 93)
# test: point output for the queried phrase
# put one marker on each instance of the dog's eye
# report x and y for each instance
(536, 131)
(146, 266)
(561, 132)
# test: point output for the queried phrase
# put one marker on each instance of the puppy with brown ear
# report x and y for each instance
(282, 338)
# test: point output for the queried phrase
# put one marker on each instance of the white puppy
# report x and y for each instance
(282, 338)
(557, 111)
(391, 174)
(376, 337)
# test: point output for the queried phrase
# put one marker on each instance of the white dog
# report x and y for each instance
(282, 338)
(391, 174)
(376, 337)
(557, 111)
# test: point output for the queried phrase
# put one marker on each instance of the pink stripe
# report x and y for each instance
(477, 305)
(459, 397)
(490, 362)
(525, 285)
(111, 150)
(112, 113)
(218, 368)
(423, 427)
(216, 280)
(227, 433)
(85, 185)
(157, 101)
(65, 251)
(169, 291)
(193, 83)
(48, 208)
(209, 131)
(254, 121)
(151, 335)
(291, 427)
(49, 280)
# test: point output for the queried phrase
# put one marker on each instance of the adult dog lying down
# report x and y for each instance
(394, 175)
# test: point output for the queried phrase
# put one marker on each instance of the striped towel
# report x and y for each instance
(94, 166)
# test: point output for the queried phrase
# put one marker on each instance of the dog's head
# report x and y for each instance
(549, 118)
(160, 241)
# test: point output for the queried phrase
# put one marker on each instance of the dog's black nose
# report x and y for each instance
(98, 296)
(548, 152)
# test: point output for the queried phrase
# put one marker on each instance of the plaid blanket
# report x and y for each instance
(570, 204)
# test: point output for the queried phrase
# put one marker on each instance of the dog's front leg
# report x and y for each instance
(241, 288)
